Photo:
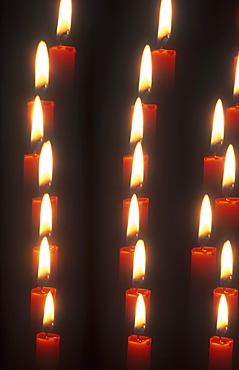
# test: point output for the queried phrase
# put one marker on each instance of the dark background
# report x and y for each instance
(91, 136)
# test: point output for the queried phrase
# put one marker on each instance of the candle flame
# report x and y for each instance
(217, 127)
(137, 176)
(44, 266)
(137, 123)
(236, 84)
(145, 77)
(222, 317)
(226, 263)
(205, 223)
(165, 21)
(64, 20)
(228, 181)
(45, 228)
(48, 317)
(139, 264)
(37, 124)
(140, 315)
(41, 67)
(45, 168)
(133, 218)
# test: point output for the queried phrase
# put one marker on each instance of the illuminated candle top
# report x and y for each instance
(45, 228)
(48, 317)
(137, 175)
(45, 168)
(236, 84)
(44, 266)
(205, 223)
(165, 22)
(226, 264)
(145, 76)
(137, 127)
(229, 172)
(222, 316)
(41, 68)
(133, 220)
(140, 316)
(64, 20)
(37, 129)
(139, 264)
(217, 128)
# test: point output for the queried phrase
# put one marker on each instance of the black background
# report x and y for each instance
(90, 139)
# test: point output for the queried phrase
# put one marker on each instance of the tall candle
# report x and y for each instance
(38, 298)
(143, 214)
(131, 296)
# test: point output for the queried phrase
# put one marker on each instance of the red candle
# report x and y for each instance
(47, 351)
(31, 171)
(131, 296)
(139, 351)
(220, 353)
(54, 263)
(232, 299)
(226, 218)
(126, 255)
(232, 113)
(127, 172)
(48, 114)
(143, 214)
(38, 298)
(36, 208)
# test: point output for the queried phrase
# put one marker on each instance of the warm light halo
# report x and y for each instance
(226, 263)
(165, 21)
(229, 170)
(205, 223)
(140, 315)
(45, 167)
(137, 123)
(145, 76)
(222, 316)
(45, 216)
(44, 266)
(236, 83)
(137, 175)
(139, 264)
(64, 19)
(217, 127)
(37, 129)
(48, 317)
(41, 67)
(133, 218)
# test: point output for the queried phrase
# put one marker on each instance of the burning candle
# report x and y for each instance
(213, 165)
(127, 172)
(139, 346)
(47, 344)
(203, 258)
(133, 203)
(221, 348)
(137, 128)
(45, 168)
(44, 212)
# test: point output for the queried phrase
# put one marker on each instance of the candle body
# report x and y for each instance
(47, 351)
(139, 351)
(220, 353)
(38, 298)
(143, 215)
(54, 264)
(131, 296)
(48, 116)
(127, 170)
(226, 220)
(232, 125)
(126, 266)
(31, 172)
(212, 176)
(203, 266)
(36, 208)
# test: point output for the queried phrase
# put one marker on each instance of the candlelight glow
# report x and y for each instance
(45, 165)
(137, 175)
(205, 223)
(165, 21)
(229, 170)
(236, 84)
(45, 216)
(145, 77)
(140, 315)
(222, 317)
(226, 263)
(44, 266)
(64, 19)
(139, 264)
(217, 127)
(41, 67)
(137, 123)
(48, 317)
(133, 219)
(37, 123)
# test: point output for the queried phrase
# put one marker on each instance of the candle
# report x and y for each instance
(221, 348)
(139, 346)
(47, 344)
(213, 165)
(137, 127)
(38, 297)
(45, 168)
(126, 256)
(131, 296)
(143, 206)
(48, 114)
(127, 171)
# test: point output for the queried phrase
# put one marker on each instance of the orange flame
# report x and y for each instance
(222, 317)
(145, 77)
(217, 127)
(137, 176)
(133, 219)
(205, 223)
(64, 18)
(139, 263)
(137, 123)
(48, 317)
(226, 262)
(45, 216)
(140, 315)
(229, 170)
(42, 66)
(44, 266)
(165, 20)
(236, 84)
(37, 121)
(45, 165)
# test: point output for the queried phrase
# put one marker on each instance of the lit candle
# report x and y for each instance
(137, 127)
(143, 206)
(45, 168)
(203, 258)
(213, 165)
(221, 348)
(139, 346)
(127, 172)
(47, 344)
